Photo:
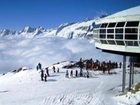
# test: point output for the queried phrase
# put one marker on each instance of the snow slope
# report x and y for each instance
(26, 88)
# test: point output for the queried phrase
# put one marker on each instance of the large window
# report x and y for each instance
(118, 36)
(131, 43)
(110, 30)
(111, 24)
(119, 30)
(120, 24)
(119, 33)
(103, 41)
(131, 30)
(132, 24)
(104, 25)
(111, 42)
(102, 30)
(131, 36)
(110, 36)
(131, 33)
(120, 42)
(102, 36)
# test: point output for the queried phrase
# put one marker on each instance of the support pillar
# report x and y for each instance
(124, 73)
(132, 71)
(130, 74)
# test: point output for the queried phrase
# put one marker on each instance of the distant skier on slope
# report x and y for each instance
(87, 74)
(47, 71)
(54, 69)
(76, 73)
(81, 65)
(120, 65)
(67, 74)
(45, 77)
(42, 75)
(39, 66)
(71, 73)
(57, 70)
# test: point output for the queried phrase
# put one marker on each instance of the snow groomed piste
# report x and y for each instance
(26, 88)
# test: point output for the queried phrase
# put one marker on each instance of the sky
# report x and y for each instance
(16, 14)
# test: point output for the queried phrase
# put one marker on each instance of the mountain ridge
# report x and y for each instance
(67, 30)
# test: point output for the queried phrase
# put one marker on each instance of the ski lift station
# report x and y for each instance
(120, 34)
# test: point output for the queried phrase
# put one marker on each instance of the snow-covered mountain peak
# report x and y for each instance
(28, 29)
(6, 32)
(66, 30)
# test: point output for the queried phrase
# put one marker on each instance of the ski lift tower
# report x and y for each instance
(120, 34)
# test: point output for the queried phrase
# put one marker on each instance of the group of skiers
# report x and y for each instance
(87, 64)
(54, 69)
(44, 73)
(76, 74)
(97, 65)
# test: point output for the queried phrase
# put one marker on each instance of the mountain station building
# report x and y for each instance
(120, 34)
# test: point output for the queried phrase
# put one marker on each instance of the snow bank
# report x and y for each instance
(129, 99)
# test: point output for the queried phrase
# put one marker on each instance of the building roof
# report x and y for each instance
(132, 14)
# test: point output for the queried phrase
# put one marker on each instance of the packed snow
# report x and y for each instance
(26, 88)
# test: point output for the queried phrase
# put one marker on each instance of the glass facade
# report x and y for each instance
(119, 33)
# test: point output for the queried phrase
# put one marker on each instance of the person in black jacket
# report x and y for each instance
(76, 73)
(71, 73)
(67, 74)
(47, 71)
(42, 75)
(54, 69)
(39, 66)
(81, 65)
(45, 77)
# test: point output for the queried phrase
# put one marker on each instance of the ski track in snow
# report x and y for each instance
(78, 97)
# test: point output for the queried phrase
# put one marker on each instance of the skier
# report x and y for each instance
(42, 75)
(54, 69)
(47, 71)
(71, 73)
(67, 74)
(91, 64)
(45, 77)
(39, 66)
(87, 74)
(81, 65)
(87, 65)
(57, 70)
(120, 64)
(76, 73)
